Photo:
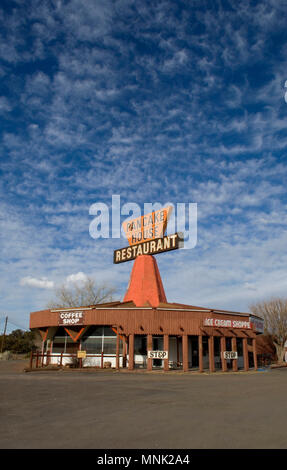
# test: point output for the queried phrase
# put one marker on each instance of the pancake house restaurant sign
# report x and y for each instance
(71, 318)
(145, 235)
(147, 227)
(222, 323)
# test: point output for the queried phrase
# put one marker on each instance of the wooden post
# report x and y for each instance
(166, 348)
(31, 360)
(102, 360)
(131, 351)
(80, 360)
(51, 346)
(254, 353)
(222, 349)
(234, 361)
(200, 353)
(149, 348)
(118, 351)
(245, 354)
(124, 351)
(43, 357)
(185, 353)
(211, 353)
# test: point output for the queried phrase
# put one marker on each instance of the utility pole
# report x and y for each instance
(3, 337)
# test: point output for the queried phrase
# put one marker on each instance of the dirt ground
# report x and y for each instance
(116, 410)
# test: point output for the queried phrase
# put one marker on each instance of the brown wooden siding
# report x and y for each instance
(139, 321)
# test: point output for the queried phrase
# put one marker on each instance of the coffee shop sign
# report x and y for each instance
(71, 318)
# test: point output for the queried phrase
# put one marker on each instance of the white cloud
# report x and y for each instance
(75, 278)
(42, 283)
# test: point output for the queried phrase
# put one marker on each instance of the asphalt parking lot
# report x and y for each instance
(117, 410)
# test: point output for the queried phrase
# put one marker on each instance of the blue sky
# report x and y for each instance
(161, 101)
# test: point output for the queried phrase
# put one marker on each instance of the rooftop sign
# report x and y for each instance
(146, 236)
(151, 247)
(147, 227)
(258, 323)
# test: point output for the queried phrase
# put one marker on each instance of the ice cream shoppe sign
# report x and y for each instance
(222, 323)
(145, 235)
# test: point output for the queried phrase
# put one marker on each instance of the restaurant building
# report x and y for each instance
(146, 331)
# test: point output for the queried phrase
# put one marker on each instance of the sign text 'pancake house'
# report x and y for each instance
(147, 227)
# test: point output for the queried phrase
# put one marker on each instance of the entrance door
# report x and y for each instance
(175, 352)
(157, 345)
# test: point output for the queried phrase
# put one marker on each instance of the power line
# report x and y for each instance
(14, 324)
(19, 326)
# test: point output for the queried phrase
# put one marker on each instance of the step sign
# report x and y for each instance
(230, 355)
(157, 354)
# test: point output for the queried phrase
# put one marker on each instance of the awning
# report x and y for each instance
(227, 332)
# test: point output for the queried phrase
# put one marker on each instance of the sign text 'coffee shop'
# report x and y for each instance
(71, 318)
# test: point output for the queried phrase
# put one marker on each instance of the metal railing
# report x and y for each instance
(39, 359)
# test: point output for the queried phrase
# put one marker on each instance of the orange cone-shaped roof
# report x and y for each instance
(145, 283)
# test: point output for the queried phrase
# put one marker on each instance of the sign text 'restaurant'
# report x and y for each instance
(159, 245)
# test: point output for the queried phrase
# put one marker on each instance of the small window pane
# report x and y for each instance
(216, 346)
(205, 346)
(72, 348)
(140, 345)
(92, 345)
(239, 344)
(228, 344)
(110, 345)
(58, 347)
